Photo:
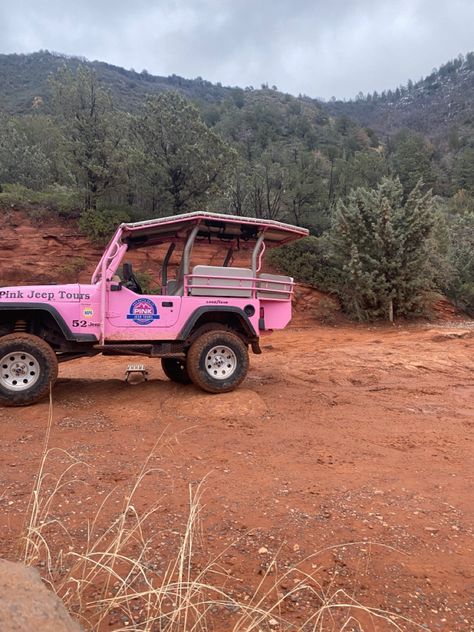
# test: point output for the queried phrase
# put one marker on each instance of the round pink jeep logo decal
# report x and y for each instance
(143, 311)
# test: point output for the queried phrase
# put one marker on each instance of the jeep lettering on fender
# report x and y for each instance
(201, 324)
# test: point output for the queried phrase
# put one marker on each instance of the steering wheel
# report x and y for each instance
(130, 280)
(134, 285)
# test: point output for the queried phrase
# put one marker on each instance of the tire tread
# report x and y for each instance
(200, 378)
(41, 388)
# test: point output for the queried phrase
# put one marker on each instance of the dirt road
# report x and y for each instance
(356, 436)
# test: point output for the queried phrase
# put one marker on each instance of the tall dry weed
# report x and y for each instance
(110, 582)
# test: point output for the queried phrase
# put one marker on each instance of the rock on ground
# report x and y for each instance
(26, 605)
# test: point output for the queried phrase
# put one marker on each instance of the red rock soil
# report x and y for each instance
(352, 436)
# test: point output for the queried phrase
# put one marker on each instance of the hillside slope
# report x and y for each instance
(285, 147)
(24, 82)
(440, 105)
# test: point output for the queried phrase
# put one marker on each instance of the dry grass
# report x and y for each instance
(111, 584)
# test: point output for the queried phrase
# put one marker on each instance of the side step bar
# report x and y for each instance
(159, 350)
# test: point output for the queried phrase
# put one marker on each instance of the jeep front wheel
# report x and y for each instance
(218, 361)
(28, 367)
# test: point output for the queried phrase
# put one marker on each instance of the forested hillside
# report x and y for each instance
(439, 105)
(104, 145)
(24, 81)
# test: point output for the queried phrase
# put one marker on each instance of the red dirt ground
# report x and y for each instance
(338, 436)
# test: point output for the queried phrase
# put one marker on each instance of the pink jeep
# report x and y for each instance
(200, 325)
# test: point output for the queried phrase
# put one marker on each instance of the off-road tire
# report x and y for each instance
(228, 347)
(175, 370)
(40, 354)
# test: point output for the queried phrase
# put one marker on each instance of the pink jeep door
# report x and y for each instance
(140, 316)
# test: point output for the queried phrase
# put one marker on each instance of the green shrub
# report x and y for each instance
(384, 246)
(461, 258)
(466, 297)
(99, 225)
(308, 261)
(55, 198)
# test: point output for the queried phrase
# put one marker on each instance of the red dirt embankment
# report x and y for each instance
(44, 250)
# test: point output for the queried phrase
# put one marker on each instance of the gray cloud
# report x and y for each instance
(335, 47)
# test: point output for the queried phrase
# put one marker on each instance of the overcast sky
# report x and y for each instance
(320, 47)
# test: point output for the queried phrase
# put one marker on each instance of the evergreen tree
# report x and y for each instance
(305, 191)
(411, 160)
(366, 169)
(267, 188)
(461, 258)
(381, 248)
(464, 170)
(21, 160)
(184, 162)
(92, 132)
(43, 131)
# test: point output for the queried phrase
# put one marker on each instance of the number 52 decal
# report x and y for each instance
(79, 323)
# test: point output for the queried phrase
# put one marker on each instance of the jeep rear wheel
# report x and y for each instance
(28, 367)
(218, 361)
(175, 370)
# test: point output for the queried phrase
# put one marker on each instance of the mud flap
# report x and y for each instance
(255, 344)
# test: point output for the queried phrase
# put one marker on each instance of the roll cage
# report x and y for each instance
(238, 232)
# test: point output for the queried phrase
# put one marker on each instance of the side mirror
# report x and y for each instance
(115, 284)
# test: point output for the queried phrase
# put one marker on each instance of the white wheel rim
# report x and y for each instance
(19, 371)
(221, 362)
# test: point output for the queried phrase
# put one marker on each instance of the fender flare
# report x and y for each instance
(196, 315)
(44, 307)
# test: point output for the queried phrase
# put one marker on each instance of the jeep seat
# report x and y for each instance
(239, 287)
(265, 286)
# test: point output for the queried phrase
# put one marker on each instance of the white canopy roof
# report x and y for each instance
(219, 225)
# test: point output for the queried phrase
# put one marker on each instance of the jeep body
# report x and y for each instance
(112, 315)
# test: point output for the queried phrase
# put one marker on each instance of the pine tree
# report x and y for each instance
(381, 246)
(183, 160)
(21, 161)
(461, 258)
(91, 130)
(464, 170)
(412, 160)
